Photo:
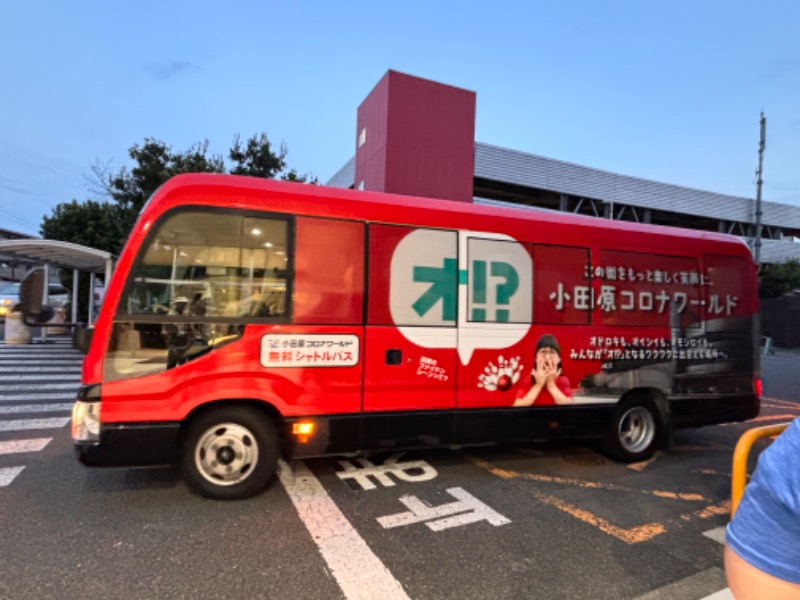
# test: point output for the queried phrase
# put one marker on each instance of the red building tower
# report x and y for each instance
(416, 137)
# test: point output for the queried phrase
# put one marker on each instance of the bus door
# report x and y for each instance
(495, 312)
(410, 338)
(328, 314)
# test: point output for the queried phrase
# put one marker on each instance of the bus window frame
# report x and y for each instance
(285, 319)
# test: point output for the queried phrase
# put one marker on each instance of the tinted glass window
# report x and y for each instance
(201, 277)
(211, 264)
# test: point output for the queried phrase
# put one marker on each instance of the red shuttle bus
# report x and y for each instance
(251, 319)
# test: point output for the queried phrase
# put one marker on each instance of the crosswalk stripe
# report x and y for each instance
(9, 382)
(39, 361)
(48, 368)
(24, 424)
(8, 354)
(8, 474)
(43, 365)
(22, 446)
(60, 359)
(68, 371)
(36, 347)
(43, 386)
(29, 397)
(35, 373)
(32, 408)
(65, 362)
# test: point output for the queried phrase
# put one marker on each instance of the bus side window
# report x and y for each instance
(329, 271)
(561, 285)
(636, 289)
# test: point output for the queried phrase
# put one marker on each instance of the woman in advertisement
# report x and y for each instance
(550, 386)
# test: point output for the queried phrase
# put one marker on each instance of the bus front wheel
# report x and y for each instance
(230, 453)
(635, 433)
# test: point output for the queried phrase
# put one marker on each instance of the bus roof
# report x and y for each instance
(232, 191)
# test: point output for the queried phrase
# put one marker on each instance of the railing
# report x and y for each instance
(740, 456)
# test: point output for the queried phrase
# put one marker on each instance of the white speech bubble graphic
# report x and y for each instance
(467, 292)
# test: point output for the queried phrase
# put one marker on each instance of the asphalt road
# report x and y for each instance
(534, 521)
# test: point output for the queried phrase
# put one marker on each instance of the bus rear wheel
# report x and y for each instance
(636, 431)
(230, 453)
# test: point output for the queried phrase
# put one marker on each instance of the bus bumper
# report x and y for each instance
(131, 445)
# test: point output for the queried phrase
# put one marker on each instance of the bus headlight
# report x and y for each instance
(86, 422)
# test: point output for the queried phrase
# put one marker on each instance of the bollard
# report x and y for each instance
(16, 332)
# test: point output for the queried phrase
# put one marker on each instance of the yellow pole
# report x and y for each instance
(740, 455)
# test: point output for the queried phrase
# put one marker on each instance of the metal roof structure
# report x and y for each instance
(65, 255)
(8, 234)
(530, 175)
(775, 251)
(58, 254)
(531, 170)
(344, 177)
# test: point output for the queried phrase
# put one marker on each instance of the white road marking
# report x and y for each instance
(32, 408)
(12, 359)
(8, 474)
(30, 360)
(6, 358)
(47, 368)
(17, 351)
(359, 573)
(21, 446)
(725, 594)
(465, 510)
(381, 473)
(718, 534)
(31, 378)
(24, 424)
(711, 581)
(43, 386)
(28, 397)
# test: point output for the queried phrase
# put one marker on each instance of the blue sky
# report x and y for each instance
(665, 90)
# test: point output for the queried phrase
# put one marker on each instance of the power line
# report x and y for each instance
(21, 222)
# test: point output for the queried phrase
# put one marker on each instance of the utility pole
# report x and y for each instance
(759, 180)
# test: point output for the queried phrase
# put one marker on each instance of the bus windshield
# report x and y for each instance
(198, 276)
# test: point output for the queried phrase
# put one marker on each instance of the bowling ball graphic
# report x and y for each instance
(503, 383)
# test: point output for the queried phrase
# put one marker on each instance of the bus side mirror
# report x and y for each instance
(30, 299)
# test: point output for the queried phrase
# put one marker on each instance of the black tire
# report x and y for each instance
(230, 453)
(636, 431)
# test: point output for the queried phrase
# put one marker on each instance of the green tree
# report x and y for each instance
(292, 175)
(127, 190)
(256, 158)
(105, 224)
(779, 278)
(91, 223)
(155, 163)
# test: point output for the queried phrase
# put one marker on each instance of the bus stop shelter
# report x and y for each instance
(64, 255)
